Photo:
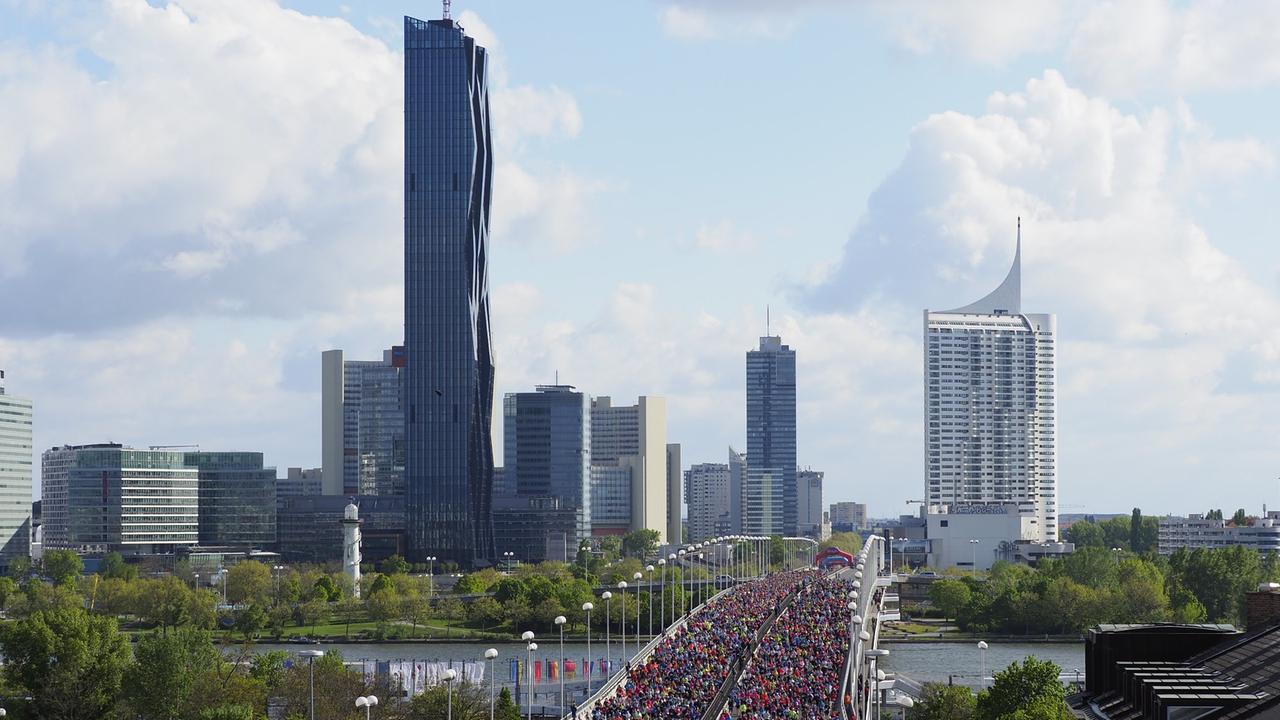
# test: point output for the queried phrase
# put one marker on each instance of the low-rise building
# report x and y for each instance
(1197, 531)
(972, 536)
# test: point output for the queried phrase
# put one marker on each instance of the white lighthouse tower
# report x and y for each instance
(351, 546)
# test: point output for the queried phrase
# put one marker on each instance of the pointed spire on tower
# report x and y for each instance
(1007, 298)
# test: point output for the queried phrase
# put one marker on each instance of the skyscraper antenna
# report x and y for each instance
(768, 324)
(447, 8)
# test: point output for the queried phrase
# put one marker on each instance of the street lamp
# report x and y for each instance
(703, 587)
(527, 636)
(890, 543)
(586, 608)
(684, 579)
(974, 545)
(507, 558)
(367, 702)
(982, 646)
(649, 569)
(431, 575)
(608, 638)
(637, 577)
(662, 597)
(873, 655)
(277, 569)
(622, 586)
(311, 656)
(489, 655)
(449, 676)
(560, 621)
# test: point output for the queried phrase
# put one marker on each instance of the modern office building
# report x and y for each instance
(237, 499)
(990, 407)
(449, 372)
(1196, 531)
(612, 488)
(848, 516)
(310, 527)
(674, 494)
(809, 503)
(634, 437)
(16, 455)
(737, 489)
(544, 509)
(362, 423)
(707, 494)
(769, 498)
(299, 481)
(103, 498)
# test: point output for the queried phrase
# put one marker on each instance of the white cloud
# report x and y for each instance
(724, 237)
(984, 31)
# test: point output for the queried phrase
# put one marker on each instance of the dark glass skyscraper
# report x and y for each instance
(769, 498)
(448, 169)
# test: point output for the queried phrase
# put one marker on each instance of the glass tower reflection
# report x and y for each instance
(449, 372)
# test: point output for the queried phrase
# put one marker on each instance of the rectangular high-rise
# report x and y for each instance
(707, 493)
(635, 437)
(448, 180)
(674, 477)
(809, 503)
(990, 410)
(769, 498)
(237, 499)
(363, 426)
(544, 510)
(15, 477)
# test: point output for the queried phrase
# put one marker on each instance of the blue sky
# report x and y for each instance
(198, 197)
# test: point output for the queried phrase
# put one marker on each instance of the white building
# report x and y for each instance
(848, 516)
(961, 536)
(630, 437)
(15, 476)
(990, 407)
(1195, 531)
(707, 494)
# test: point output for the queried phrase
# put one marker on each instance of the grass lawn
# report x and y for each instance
(911, 628)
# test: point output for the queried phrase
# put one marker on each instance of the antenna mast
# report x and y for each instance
(447, 7)
(768, 323)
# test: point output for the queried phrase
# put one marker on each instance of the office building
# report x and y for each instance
(237, 499)
(103, 498)
(16, 455)
(634, 437)
(809, 503)
(544, 509)
(737, 488)
(362, 422)
(769, 498)
(1196, 531)
(612, 487)
(990, 408)
(674, 494)
(707, 494)
(448, 375)
(299, 481)
(310, 527)
(848, 517)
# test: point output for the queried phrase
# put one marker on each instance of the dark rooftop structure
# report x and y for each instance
(1180, 672)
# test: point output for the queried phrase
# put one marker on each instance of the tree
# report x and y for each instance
(394, 565)
(1021, 685)
(944, 702)
(1115, 532)
(1241, 518)
(249, 581)
(470, 702)
(7, 588)
(69, 662)
(641, 544)
(325, 589)
(114, 566)
(1135, 530)
(379, 584)
(414, 609)
(160, 683)
(846, 541)
(251, 620)
(384, 606)
(335, 688)
(505, 708)
(949, 595)
(1085, 534)
(62, 566)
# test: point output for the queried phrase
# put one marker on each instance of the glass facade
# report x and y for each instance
(15, 477)
(310, 527)
(237, 498)
(373, 426)
(547, 474)
(449, 371)
(769, 504)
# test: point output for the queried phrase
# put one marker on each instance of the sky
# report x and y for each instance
(197, 197)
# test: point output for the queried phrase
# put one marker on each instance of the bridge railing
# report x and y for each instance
(871, 560)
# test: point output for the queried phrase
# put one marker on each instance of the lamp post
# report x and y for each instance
(560, 621)
(662, 597)
(684, 578)
(974, 545)
(873, 656)
(367, 702)
(703, 585)
(276, 569)
(608, 640)
(649, 569)
(311, 656)
(982, 647)
(527, 636)
(889, 540)
(637, 577)
(449, 676)
(586, 608)
(195, 580)
(507, 558)
(489, 655)
(622, 588)
(431, 575)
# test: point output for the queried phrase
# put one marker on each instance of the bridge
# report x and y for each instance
(734, 655)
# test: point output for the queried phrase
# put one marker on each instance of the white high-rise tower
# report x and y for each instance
(990, 408)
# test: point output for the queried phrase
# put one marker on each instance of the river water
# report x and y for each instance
(962, 662)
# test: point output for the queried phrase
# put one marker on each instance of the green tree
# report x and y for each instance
(485, 612)
(7, 588)
(384, 606)
(1021, 685)
(415, 608)
(777, 551)
(470, 702)
(69, 662)
(641, 543)
(251, 620)
(949, 596)
(394, 565)
(1213, 514)
(505, 708)
(325, 589)
(944, 702)
(160, 683)
(250, 582)
(379, 584)
(1240, 519)
(227, 712)
(114, 566)
(1115, 532)
(846, 541)
(62, 566)
(1085, 534)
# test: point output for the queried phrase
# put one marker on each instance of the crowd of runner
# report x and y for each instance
(685, 672)
(795, 673)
